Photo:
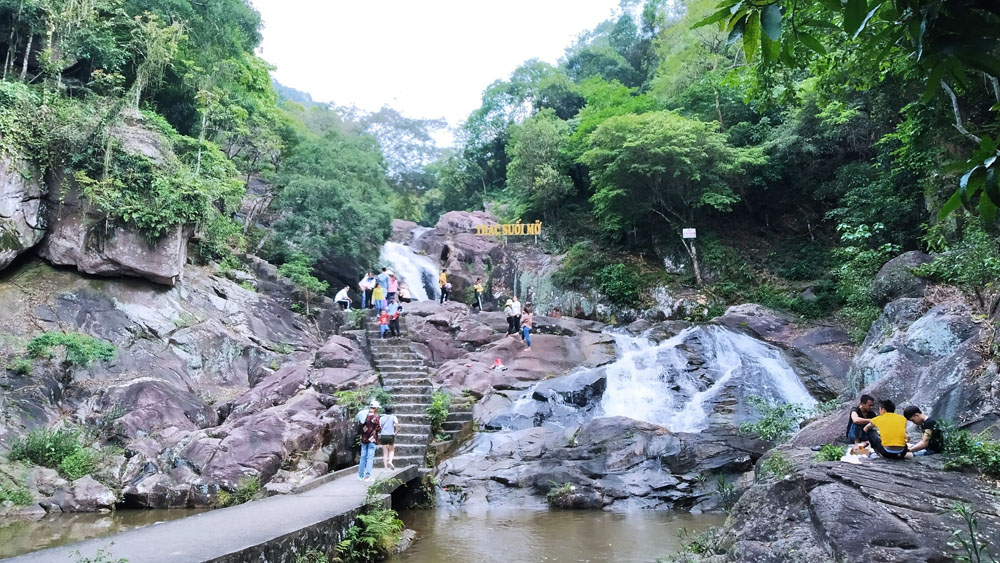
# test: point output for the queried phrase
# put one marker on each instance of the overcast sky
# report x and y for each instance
(425, 58)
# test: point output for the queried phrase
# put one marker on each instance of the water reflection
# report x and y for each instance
(19, 537)
(540, 535)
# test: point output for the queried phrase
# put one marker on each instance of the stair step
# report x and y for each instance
(408, 418)
(459, 416)
(452, 427)
(404, 362)
(410, 408)
(404, 460)
(411, 449)
(415, 429)
(407, 380)
(411, 438)
(410, 398)
(400, 369)
(408, 389)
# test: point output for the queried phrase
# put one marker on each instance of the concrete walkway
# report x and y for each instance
(237, 533)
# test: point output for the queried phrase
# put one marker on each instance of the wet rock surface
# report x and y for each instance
(22, 208)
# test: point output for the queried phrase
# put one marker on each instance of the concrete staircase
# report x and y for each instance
(405, 376)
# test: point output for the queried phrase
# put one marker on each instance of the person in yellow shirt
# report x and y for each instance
(478, 288)
(443, 281)
(890, 440)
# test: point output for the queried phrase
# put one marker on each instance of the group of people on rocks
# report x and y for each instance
(375, 430)
(885, 431)
(519, 320)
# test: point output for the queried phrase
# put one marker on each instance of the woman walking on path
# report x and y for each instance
(369, 441)
(526, 319)
(388, 437)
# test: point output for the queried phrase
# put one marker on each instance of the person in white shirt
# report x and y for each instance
(343, 299)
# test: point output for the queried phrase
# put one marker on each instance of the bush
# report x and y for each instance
(22, 366)
(17, 494)
(312, 556)
(973, 264)
(81, 349)
(356, 400)
(727, 493)
(376, 530)
(578, 266)
(777, 464)
(46, 447)
(557, 494)
(980, 451)
(247, 489)
(777, 423)
(81, 462)
(355, 318)
(858, 265)
(829, 452)
(438, 411)
(620, 283)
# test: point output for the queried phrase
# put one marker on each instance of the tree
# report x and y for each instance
(537, 174)
(661, 166)
(298, 269)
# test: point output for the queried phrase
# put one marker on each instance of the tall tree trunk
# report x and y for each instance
(27, 55)
(693, 253)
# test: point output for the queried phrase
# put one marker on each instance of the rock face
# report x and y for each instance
(22, 208)
(895, 280)
(463, 254)
(614, 463)
(211, 383)
(877, 511)
(84, 240)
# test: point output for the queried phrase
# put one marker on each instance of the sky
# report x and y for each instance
(424, 58)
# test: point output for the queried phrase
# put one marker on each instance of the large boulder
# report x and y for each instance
(85, 494)
(877, 510)
(895, 279)
(22, 208)
(463, 254)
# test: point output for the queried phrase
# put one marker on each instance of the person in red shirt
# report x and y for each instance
(383, 322)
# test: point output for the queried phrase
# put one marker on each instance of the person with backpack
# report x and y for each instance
(932, 440)
(388, 437)
(370, 430)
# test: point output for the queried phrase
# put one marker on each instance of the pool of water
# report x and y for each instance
(509, 536)
(22, 536)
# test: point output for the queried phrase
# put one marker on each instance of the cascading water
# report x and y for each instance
(676, 382)
(417, 271)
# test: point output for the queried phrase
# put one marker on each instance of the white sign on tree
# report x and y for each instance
(690, 233)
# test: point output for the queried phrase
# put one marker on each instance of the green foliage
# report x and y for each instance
(375, 532)
(557, 494)
(312, 556)
(438, 410)
(972, 264)
(46, 447)
(298, 268)
(247, 489)
(829, 452)
(979, 451)
(355, 318)
(537, 174)
(776, 464)
(621, 284)
(358, 399)
(83, 461)
(17, 494)
(972, 547)
(577, 268)
(861, 260)
(727, 493)
(80, 349)
(22, 366)
(777, 422)
(102, 556)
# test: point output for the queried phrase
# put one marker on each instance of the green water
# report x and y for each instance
(515, 536)
(22, 536)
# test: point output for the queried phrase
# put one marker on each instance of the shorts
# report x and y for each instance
(387, 439)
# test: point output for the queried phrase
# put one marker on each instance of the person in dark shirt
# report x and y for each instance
(861, 415)
(932, 441)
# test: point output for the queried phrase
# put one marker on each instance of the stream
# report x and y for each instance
(525, 535)
(24, 536)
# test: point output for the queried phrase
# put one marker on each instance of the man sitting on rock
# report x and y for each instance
(860, 416)
(889, 441)
(932, 441)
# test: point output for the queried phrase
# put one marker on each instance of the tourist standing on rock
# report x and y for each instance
(932, 441)
(860, 416)
(395, 310)
(404, 293)
(369, 441)
(508, 309)
(478, 288)
(443, 281)
(516, 306)
(392, 288)
(887, 432)
(342, 299)
(366, 285)
(378, 295)
(388, 437)
(526, 319)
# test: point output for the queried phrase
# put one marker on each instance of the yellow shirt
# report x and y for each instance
(443, 278)
(892, 429)
(478, 287)
(378, 294)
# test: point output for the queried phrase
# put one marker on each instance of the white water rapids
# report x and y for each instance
(417, 271)
(659, 383)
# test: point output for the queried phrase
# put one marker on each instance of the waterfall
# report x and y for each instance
(677, 382)
(417, 271)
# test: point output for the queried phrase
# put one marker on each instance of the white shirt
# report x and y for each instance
(341, 295)
(516, 308)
